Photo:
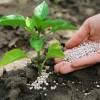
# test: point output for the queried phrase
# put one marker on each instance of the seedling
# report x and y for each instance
(39, 21)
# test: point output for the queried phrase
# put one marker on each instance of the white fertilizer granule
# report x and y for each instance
(83, 50)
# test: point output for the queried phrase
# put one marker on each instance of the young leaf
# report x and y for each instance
(40, 13)
(37, 44)
(41, 10)
(30, 23)
(63, 26)
(16, 20)
(55, 53)
(30, 26)
(12, 56)
(39, 23)
(51, 23)
(55, 46)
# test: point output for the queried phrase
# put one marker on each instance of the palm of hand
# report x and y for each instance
(89, 32)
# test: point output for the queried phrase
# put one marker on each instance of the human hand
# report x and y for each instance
(88, 32)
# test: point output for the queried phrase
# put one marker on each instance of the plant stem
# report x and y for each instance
(43, 63)
(32, 60)
(38, 58)
(39, 64)
(47, 34)
(38, 35)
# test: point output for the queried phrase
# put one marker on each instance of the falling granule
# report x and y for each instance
(82, 51)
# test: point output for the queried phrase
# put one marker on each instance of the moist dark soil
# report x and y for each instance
(78, 85)
(83, 84)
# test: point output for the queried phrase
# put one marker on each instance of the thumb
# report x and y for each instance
(79, 36)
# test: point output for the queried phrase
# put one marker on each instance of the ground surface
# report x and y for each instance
(79, 85)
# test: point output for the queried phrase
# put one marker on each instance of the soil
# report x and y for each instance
(79, 85)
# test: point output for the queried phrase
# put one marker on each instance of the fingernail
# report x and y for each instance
(98, 51)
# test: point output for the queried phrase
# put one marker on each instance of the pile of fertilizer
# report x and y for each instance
(83, 50)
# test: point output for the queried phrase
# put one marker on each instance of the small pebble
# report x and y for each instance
(47, 84)
(44, 88)
(54, 81)
(45, 94)
(63, 84)
(52, 87)
(85, 93)
(28, 84)
(30, 88)
(55, 86)
(77, 89)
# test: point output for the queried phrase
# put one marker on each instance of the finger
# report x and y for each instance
(67, 68)
(57, 66)
(79, 36)
(92, 59)
(57, 60)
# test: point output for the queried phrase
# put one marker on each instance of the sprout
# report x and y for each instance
(40, 22)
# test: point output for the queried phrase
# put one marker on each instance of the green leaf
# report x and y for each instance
(63, 26)
(30, 26)
(12, 56)
(41, 10)
(40, 13)
(36, 43)
(30, 23)
(16, 20)
(55, 46)
(47, 19)
(51, 23)
(39, 23)
(55, 53)
(31, 31)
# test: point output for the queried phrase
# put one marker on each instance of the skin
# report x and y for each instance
(88, 32)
